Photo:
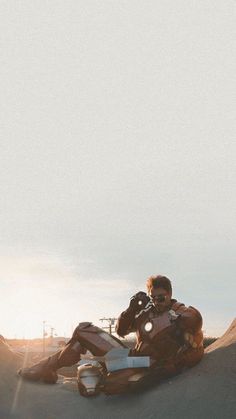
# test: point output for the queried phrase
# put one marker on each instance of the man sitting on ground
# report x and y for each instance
(167, 332)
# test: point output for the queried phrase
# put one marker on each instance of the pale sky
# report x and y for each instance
(117, 158)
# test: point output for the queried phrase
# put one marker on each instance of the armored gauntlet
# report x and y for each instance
(138, 302)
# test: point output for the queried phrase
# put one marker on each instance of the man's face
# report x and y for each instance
(160, 298)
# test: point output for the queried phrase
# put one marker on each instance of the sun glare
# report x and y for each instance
(32, 291)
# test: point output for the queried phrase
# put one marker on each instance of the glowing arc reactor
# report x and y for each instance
(148, 326)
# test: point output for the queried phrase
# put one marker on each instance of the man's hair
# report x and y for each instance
(159, 281)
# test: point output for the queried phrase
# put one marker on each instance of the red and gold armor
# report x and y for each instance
(172, 340)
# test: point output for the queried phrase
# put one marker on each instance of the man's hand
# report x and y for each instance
(138, 302)
(126, 321)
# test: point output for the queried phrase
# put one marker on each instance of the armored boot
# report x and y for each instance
(46, 370)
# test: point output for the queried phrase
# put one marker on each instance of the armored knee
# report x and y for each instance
(95, 339)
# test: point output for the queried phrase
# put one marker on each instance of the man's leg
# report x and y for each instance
(86, 336)
(46, 369)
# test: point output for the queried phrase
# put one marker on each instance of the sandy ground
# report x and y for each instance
(205, 391)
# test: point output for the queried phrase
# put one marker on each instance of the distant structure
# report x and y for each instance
(111, 324)
(46, 334)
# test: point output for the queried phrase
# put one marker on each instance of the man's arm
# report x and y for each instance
(189, 325)
(126, 321)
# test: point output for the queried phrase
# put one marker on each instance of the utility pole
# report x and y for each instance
(44, 334)
(111, 323)
(52, 331)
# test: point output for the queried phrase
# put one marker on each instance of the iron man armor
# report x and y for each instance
(172, 340)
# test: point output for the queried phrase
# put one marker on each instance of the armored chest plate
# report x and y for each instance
(153, 325)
